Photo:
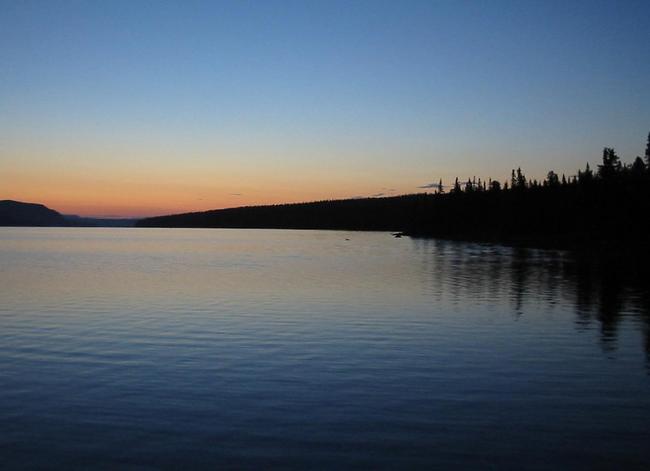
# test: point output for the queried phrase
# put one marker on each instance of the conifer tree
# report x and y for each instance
(638, 167)
(457, 188)
(611, 165)
(519, 180)
(586, 176)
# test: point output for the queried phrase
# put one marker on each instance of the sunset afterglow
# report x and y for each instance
(122, 109)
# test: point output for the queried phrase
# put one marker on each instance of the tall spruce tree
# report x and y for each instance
(457, 188)
(611, 165)
(520, 179)
(638, 167)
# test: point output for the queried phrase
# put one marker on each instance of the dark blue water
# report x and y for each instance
(184, 349)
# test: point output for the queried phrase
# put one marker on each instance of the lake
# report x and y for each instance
(206, 348)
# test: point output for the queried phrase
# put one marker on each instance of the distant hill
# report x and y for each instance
(388, 214)
(16, 213)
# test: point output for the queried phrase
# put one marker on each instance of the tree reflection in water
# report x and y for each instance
(600, 294)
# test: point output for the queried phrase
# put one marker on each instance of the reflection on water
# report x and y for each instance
(167, 349)
(599, 295)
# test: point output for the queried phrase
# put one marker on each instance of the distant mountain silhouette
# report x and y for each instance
(16, 213)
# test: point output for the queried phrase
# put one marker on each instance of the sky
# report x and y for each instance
(142, 108)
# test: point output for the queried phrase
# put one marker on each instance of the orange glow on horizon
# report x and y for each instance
(133, 198)
(153, 183)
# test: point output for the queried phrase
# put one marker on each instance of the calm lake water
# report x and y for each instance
(184, 349)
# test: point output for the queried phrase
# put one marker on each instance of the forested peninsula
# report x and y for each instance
(595, 208)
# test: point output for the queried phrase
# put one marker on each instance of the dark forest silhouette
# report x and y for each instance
(606, 207)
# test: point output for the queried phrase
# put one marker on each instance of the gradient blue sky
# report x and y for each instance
(139, 108)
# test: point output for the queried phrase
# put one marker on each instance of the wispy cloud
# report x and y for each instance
(430, 185)
(377, 195)
(236, 194)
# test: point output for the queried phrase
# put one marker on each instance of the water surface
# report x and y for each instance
(169, 348)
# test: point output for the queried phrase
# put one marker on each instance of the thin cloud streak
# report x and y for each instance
(429, 185)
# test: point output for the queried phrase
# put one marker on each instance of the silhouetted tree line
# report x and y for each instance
(607, 207)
